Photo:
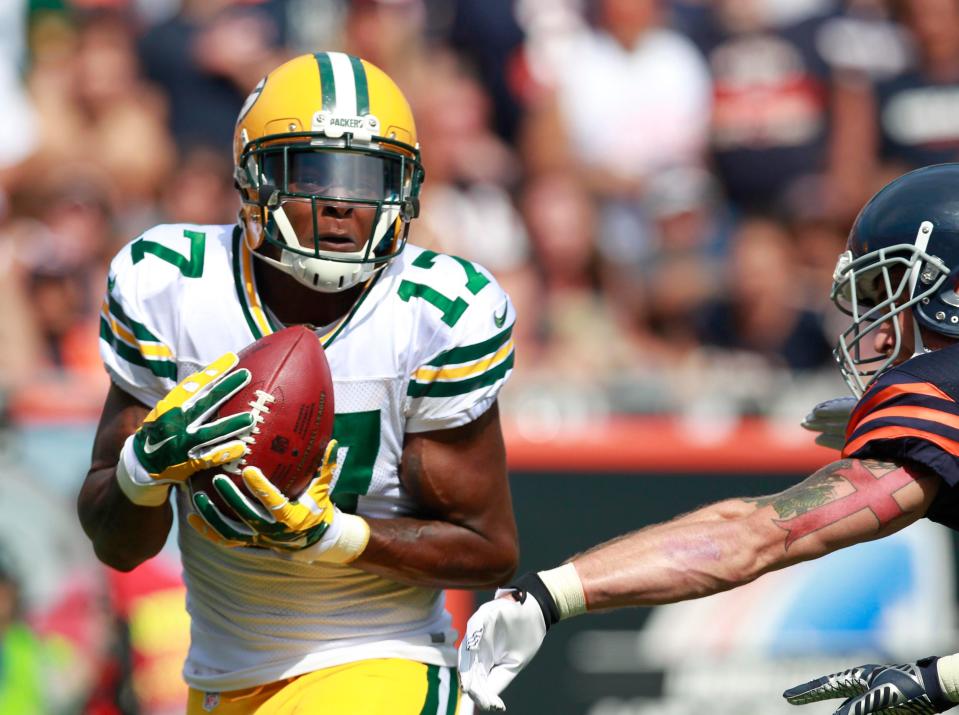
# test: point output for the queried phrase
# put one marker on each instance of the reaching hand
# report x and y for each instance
(886, 689)
(504, 634)
(309, 528)
(177, 438)
(830, 418)
(501, 638)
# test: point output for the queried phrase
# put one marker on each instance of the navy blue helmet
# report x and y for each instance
(903, 253)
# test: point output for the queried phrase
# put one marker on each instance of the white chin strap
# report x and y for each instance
(323, 274)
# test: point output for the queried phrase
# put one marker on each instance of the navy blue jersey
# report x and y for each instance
(910, 415)
(917, 124)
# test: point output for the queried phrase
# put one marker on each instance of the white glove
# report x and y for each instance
(501, 638)
(830, 418)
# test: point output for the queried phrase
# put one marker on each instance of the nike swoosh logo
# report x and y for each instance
(498, 320)
(150, 448)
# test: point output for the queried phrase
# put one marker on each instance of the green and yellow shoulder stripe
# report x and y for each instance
(466, 368)
(133, 341)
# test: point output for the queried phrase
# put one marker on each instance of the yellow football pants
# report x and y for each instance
(385, 686)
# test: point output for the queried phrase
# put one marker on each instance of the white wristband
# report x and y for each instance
(343, 542)
(948, 669)
(352, 540)
(135, 483)
(566, 588)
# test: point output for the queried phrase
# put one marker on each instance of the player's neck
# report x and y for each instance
(295, 304)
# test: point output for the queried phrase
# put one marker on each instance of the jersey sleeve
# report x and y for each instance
(906, 419)
(137, 322)
(461, 367)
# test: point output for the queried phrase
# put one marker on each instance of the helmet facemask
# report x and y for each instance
(288, 174)
(874, 289)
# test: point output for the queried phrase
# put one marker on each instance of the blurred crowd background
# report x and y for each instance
(663, 186)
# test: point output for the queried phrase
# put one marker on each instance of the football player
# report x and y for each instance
(333, 600)
(898, 282)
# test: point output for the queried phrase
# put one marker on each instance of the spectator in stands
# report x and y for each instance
(61, 310)
(771, 102)
(659, 289)
(489, 36)
(890, 124)
(628, 98)
(675, 287)
(755, 314)
(95, 109)
(916, 110)
(562, 226)
(19, 138)
(468, 208)
(391, 33)
(21, 677)
(808, 212)
(200, 190)
(19, 343)
(207, 58)
(685, 213)
(59, 244)
(569, 314)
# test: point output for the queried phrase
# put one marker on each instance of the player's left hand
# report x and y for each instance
(886, 689)
(501, 638)
(830, 418)
(309, 528)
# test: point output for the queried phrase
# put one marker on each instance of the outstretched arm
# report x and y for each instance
(735, 541)
(709, 550)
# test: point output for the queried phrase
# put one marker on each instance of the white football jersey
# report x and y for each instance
(428, 346)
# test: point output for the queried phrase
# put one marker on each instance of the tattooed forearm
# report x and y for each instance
(812, 492)
(836, 491)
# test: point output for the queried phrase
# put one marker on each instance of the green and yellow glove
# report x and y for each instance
(176, 439)
(309, 528)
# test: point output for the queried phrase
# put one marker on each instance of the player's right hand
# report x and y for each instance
(885, 689)
(309, 528)
(178, 438)
(830, 418)
(272, 519)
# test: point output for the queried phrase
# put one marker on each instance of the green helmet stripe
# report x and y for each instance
(327, 85)
(362, 90)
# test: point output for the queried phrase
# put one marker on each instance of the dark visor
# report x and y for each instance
(334, 174)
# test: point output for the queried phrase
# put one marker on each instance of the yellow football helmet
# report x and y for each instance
(327, 128)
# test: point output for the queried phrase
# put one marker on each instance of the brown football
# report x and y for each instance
(291, 395)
